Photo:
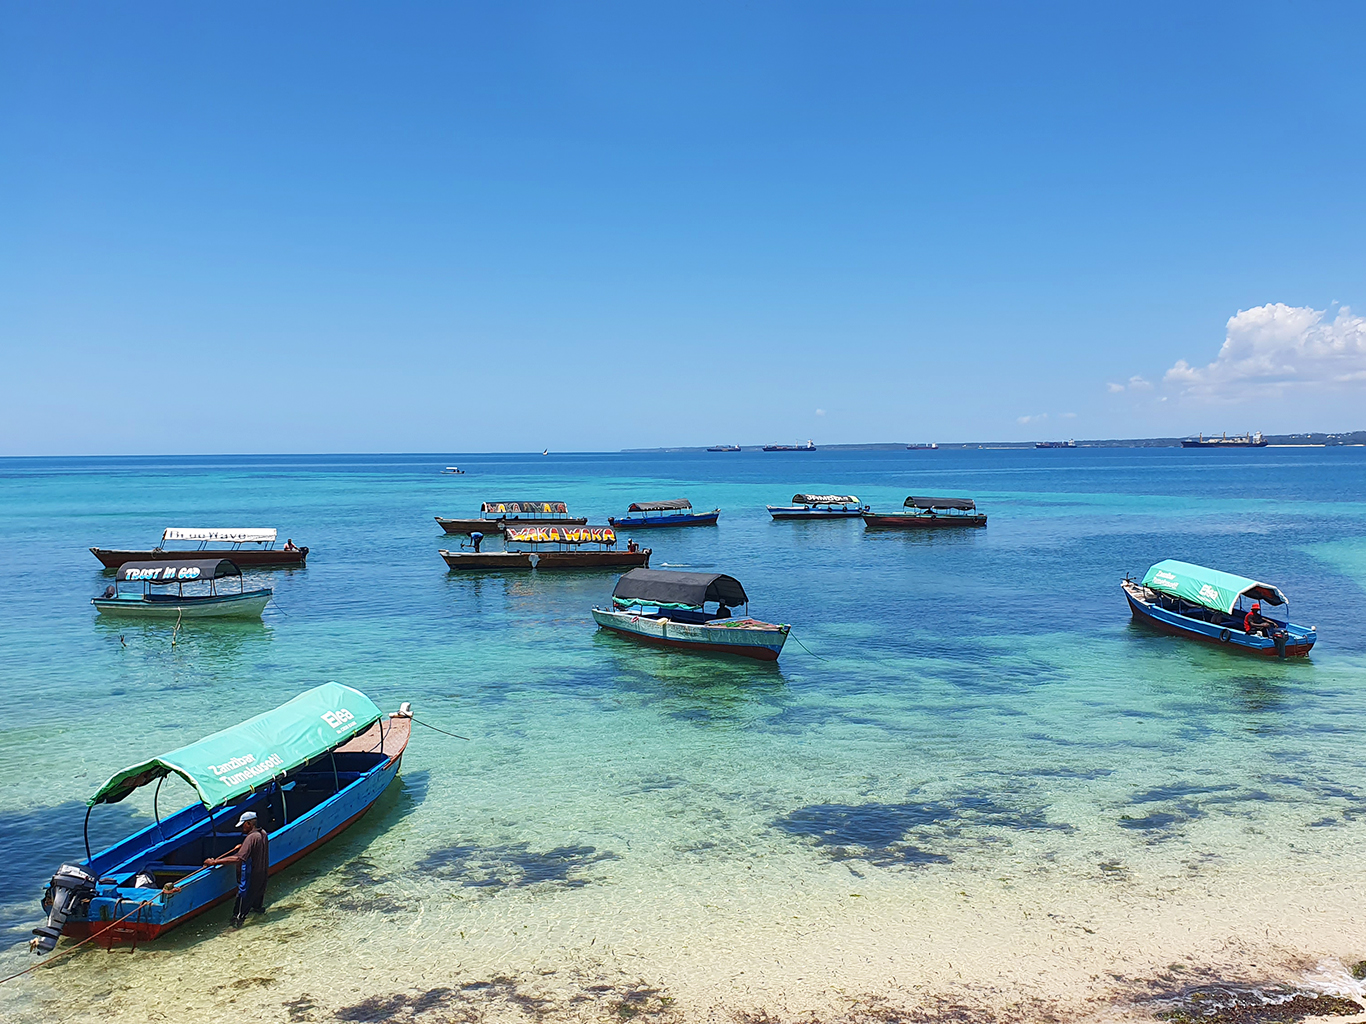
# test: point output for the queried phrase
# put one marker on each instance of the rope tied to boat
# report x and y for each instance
(442, 731)
(71, 949)
(808, 650)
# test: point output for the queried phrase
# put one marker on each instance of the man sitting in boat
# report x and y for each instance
(289, 545)
(1253, 622)
(631, 545)
(252, 856)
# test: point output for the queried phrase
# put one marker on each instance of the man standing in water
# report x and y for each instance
(252, 857)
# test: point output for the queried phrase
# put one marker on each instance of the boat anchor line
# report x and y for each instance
(808, 650)
(71, 949)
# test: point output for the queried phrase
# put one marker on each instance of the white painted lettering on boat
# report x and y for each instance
(1209, 593)
(236, 762)
(252, 771)
(164, 573)
(338, 718)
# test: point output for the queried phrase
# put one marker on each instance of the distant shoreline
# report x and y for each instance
(1309, 440)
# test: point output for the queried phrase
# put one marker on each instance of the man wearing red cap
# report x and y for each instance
(1254, 623)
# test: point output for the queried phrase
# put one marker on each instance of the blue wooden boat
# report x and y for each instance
(665, 607)
(649, 514)
(308, 769)
(145, 590)
(1207, 604)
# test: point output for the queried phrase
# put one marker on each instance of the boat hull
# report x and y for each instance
(487, 559)
(907, 521)
(492, 526)
(273, 558)
(799, 512)
(1300, 642)
(206, 888)
(761, 641)
(593, 559)
(223, 606)
(652, 522)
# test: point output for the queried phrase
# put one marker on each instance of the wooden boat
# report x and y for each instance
(661, 606)
(214, 543)
(454, 471)
(1207, 604)
(552, 547)
(1224, 441)
(651, 514)
(132, 593)
(928, 514)
(309, 769)
(819, 506)
(810, 446)
(494, 516)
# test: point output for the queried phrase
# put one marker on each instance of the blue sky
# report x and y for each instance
(451, 227)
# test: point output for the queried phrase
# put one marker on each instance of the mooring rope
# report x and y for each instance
(71, 949)
(442, 731)
(808, 650)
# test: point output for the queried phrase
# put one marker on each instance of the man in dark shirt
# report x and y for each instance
(252, 857)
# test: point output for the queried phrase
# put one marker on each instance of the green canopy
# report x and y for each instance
(227, 764)
(1208, 587)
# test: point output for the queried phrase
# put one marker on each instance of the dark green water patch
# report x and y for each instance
(513, 866)
(889, 834)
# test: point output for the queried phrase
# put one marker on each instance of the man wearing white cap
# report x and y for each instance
(252, 856)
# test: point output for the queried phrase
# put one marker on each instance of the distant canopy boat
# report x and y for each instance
(1211, 605)
(138, 591)
(819, 506)
(667, 607)
(535, 550)
(494, 515)
(928, 513)
(308, 769)
(649, 514)
(251, 547)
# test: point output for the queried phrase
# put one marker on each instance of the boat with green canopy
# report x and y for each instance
(1218, 607)
(307, 769)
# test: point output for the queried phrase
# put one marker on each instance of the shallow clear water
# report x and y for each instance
(961, 707)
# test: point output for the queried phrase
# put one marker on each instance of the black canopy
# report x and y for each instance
(965, 504)
(179, 571)
(677, 505)
(664, 586)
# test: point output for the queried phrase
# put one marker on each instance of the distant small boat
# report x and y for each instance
(1224, 441)
(724, 448)
(922, 447)
(928, 513)
(455, 470)
(494, 516)
(132, 593)
(308, 770)
(1055, 444)
(666, 607)
(820, 506)
(546, 452)
(810, 446)
(650, 514)
(260, 550)
(1210, 605)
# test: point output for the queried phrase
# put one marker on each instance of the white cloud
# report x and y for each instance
(1069, 415)
(1276, 347)
(820, 412)
(1038, 418)
(1136, 383)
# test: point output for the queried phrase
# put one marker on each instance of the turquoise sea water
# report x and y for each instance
(963, 707)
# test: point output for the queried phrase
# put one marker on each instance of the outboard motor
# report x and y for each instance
(69, 886)
(1280, 636)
